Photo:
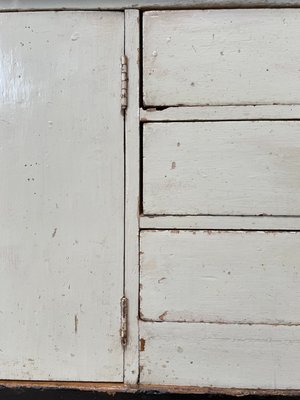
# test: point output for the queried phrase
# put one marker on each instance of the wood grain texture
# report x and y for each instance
(221, 57)
(132, 200)
(221, 113)
(62, 196)
(226, 356)
(220, 276)
(222, 168)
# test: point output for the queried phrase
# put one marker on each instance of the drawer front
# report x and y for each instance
(221, 57)
(222, 168)
(220, 355)
(220, 276)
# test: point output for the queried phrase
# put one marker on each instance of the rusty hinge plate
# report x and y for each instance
(124, 82)
(124, 327)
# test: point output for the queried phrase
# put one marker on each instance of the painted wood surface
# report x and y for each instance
(62, 196)
(132, 195)
(221, 57)
(220, 276)
(222, 168)
(220, 222)
(221, 113)
(224, 356)
(15, 5)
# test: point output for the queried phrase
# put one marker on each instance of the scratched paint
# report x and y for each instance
(61, 211)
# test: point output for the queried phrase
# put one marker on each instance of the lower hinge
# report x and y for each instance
(124, 82)
(124, 322)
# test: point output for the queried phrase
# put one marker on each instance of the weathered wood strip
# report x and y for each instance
(16, 5)
(132, 201)
(221, 113)
(220, 222)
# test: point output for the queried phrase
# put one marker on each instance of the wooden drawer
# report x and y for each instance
(220, 276)
(221, 57)
(222, 168)
(220, 355)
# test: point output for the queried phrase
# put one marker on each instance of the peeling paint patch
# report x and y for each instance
(163, 316)
(142, 344)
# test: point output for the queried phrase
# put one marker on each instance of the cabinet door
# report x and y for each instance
(61, 208)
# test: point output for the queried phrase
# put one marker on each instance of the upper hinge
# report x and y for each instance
(124, 82)
(124, 322)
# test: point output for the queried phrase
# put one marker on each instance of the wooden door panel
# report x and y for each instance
(61, 209)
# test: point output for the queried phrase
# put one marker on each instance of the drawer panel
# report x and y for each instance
(220, 276)
(221, 57)
(218, 355)
(222, 168)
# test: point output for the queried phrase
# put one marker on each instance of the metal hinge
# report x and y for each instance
(124, 327)
(124, 82)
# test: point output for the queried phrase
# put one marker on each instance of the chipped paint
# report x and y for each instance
(76, 320)
(163, 316)
(142, 344)
(54, 232)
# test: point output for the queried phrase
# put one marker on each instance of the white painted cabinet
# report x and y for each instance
(150, 156)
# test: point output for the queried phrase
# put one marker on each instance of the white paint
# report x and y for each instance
(222, 168)
(137, 4)
(218, 113)
(221, 57)
(62, 196)
(131, 361)
(221, 356)
(220, 276)
(219, 222)
(62, 185)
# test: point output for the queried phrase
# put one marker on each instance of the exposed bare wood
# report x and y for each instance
(143, 388)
